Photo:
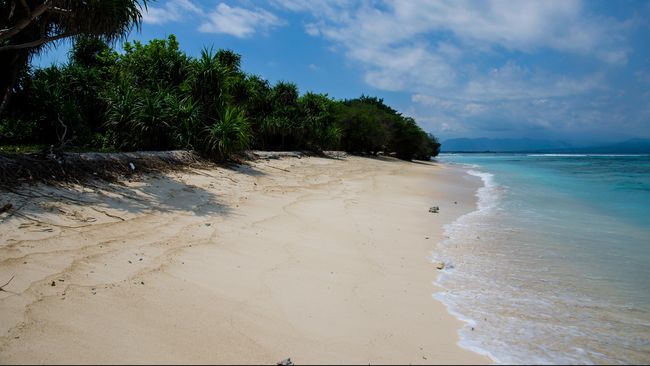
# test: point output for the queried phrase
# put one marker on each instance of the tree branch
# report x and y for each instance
(65, 131)
(11, 12)
(27, 8)
(35, 43)
(24, 22)
(54, 9)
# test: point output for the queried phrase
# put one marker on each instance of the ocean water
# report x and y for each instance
(554, 265)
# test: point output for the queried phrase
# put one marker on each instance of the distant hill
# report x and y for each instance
(525, 145)
(501, 145)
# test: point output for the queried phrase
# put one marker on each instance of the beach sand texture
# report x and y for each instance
(321, 260)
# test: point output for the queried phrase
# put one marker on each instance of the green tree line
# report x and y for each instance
(155, 97)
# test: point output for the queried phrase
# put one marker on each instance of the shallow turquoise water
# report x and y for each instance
(554, 266)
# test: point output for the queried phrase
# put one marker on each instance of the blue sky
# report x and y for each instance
(571, 70)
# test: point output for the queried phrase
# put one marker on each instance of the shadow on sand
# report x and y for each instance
(154, 193)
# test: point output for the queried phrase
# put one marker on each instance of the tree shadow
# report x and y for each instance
(379, 157)
(247, 170)
(424, 162)
(153, 193)
(333, 155)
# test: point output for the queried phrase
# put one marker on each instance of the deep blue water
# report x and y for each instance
(554, 267)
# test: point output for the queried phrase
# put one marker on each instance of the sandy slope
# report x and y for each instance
(320, 260)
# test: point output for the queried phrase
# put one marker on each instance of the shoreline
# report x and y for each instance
(321, 260)
(483, 193)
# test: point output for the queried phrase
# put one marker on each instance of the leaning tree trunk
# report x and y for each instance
(11, 63)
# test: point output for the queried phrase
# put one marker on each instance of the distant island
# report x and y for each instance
(526, 145)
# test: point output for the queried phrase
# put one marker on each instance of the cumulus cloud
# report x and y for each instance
(171, 11)
(239, 22)
(514, 82)
(225, 19)
(430, 100)
(517, 25)
(391, 39)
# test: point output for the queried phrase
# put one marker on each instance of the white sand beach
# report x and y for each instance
(320, 260)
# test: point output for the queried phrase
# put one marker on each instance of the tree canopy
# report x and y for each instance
(155, 97)
(26, 26)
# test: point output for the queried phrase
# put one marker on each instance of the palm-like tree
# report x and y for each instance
(209, 81)
(283, 122)
(229, 59)
(186, 115)
(26, 26)
(122, 102)
(229, 134)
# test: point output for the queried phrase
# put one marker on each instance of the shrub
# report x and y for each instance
(229, 134)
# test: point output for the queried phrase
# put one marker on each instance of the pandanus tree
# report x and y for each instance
(258, 102)
(229, 59)
(230, 133)
(208, 83)
(26, 26)
(318, 126)
(281, 123)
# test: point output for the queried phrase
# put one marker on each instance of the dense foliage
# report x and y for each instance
(154, 97)
(27, 26)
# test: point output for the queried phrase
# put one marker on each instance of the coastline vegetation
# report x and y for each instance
(155, 97)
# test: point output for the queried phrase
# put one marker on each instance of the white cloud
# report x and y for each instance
(474, 108)
(514, 82)
(391, 39)
(159, 16)
(239, 22)
(324, 8)
(171, 11)
(517, 25)
(429, 100)
(235, 21)
(643, 76)
(312, 29)
(403, 67)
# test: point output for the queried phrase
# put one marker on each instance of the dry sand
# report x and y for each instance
(321, 260)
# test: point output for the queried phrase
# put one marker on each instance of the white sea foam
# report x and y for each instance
(488, 197)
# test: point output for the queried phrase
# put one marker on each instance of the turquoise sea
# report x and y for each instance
(554, 265)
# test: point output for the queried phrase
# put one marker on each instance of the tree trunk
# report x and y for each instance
(11, 64)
